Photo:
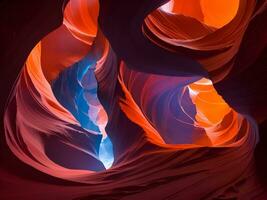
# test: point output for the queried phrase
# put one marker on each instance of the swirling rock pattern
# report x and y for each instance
(115, 99)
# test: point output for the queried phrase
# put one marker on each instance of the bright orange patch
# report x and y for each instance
(219, 120)
(215, 13)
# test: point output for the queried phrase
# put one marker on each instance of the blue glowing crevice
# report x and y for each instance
(106, 152)
(76, 89)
